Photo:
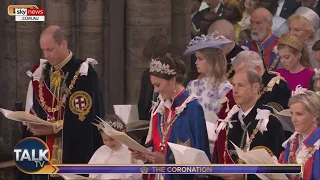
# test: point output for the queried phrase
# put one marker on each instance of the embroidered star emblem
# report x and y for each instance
(186, 143)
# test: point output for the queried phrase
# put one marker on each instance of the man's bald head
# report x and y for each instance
(264, 13)
(56, 32)
(223, 27)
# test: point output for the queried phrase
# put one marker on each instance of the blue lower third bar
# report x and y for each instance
(175, 169)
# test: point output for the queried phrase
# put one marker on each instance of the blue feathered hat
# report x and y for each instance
(206, 41)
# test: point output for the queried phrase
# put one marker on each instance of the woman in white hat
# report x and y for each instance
(305, 24)
(303, 146)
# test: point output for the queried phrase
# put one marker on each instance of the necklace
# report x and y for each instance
(165, 128)
(274, 63)
(230, 71)
(245, 149)
(64, 97)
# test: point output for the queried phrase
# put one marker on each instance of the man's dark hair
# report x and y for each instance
(157, 45)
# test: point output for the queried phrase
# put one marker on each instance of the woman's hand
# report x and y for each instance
(138, 155)
(155, 157)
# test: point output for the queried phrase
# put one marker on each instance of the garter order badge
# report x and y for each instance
(80, 103)
(144, 170)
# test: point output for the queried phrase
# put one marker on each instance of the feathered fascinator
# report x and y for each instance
(299, 90)
(207, 41)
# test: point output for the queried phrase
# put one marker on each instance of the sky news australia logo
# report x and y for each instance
(31, 155)
(26, 12)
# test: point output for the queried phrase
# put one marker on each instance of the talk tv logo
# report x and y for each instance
(31, 155)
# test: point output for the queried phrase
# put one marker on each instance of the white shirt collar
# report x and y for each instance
(247, 112)
(241, 113)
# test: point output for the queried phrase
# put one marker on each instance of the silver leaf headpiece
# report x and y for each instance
(118, 126)
(157, 66)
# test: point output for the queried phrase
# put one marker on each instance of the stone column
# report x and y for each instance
(143, 20)
(114, 71)
(60, 13)
(91, 31)
(181, 28)
(28, 50)
(19, 51)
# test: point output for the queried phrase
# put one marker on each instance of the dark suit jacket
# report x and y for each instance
(207, 22)
(220, 10)
(279, 95)
(146, 96)
(271, 140)
(317, 8)
(289, 8)
(196, 19)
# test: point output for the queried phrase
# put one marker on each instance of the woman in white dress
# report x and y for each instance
(113, 152)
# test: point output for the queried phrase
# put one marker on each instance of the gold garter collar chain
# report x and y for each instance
(64, 98)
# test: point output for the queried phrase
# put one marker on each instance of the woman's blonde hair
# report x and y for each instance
(218, 64)
(306, 24)
(311, 102)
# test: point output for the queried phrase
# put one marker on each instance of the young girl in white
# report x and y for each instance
(113, 152)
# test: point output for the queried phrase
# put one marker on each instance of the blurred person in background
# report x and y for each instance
(232, 12)
(279, 25)
(315, 81)
(312, 4)
(226, 29)
(263, 40)
(275, 91)
(295, 61)
(305, 24)
(287, 8)
(195, 18)
(156, 46)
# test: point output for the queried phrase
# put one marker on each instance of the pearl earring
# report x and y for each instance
(174, 88)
